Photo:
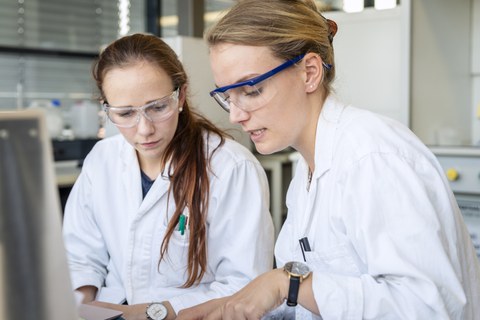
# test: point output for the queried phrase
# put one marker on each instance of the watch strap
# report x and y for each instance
(293, 291)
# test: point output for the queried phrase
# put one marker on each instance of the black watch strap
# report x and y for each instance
(293, 291)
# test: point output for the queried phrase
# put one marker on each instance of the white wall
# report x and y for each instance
(441, 77)
(418, 63)
(476, 73)
(372, 59)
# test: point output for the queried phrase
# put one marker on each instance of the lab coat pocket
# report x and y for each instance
(340, 259)
(172, 270)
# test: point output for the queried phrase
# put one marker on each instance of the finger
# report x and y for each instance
(189, 314)
(200, 311)
(215, 315)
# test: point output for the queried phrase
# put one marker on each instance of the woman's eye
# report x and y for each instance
(226, 96)
(253, 92)
(159, 107)
(126, 114)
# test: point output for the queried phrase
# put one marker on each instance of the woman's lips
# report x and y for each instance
(257, 135)
(149, 145)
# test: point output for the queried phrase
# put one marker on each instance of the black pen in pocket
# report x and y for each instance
(305, 246)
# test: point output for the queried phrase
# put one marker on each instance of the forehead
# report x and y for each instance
(138, 71)
(136, 84)
(232, 63)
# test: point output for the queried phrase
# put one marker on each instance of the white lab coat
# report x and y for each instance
(113, 238)
(388, 240)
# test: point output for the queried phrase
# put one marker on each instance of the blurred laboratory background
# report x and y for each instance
(415, 61)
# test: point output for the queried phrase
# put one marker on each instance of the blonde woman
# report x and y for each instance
(373, 230)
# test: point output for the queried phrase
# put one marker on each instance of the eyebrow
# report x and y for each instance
(244, 78)
(129, 106)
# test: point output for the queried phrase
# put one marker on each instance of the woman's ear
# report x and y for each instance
(182, 97)
(313, 70)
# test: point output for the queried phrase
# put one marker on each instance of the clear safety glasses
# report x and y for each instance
(251, 94)
(155, 111)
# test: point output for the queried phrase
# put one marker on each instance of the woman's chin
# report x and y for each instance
(266, 149)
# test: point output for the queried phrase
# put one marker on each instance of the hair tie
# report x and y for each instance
(332, 27)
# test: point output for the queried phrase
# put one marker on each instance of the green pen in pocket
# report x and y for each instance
(181, 224)
(183, 221)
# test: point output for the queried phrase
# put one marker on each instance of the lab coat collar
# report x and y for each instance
(128, 155)
(131, 177)
(325, 136)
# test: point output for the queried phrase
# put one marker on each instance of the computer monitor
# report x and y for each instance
(34, 278)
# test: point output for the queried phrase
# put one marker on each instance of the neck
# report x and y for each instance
(306, 145)
(150, 167)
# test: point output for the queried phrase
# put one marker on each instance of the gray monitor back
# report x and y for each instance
(34, 277)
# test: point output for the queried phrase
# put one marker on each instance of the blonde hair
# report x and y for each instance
(288, 27)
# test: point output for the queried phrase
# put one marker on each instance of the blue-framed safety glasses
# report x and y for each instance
(251, 94)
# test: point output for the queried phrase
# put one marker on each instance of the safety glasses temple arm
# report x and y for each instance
(254, 81)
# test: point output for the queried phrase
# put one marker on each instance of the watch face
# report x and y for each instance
(297, 268)
(157, 311)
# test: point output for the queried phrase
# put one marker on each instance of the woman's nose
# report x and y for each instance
(145, 126)
(237, 115)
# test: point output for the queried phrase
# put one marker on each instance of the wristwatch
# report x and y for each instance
(156, 311)
(297, 272)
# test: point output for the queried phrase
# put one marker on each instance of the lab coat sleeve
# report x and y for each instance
(240, 232)
(399, 216)
(86, 251)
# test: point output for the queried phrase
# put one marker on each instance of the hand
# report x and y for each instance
(200, 311)
(263, 294)
(130, 312)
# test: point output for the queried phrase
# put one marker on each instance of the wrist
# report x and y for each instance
(156, 311)
(283, 283)
(296, 272)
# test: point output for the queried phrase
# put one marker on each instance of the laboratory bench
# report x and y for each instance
(68, 156)
(279, 168)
